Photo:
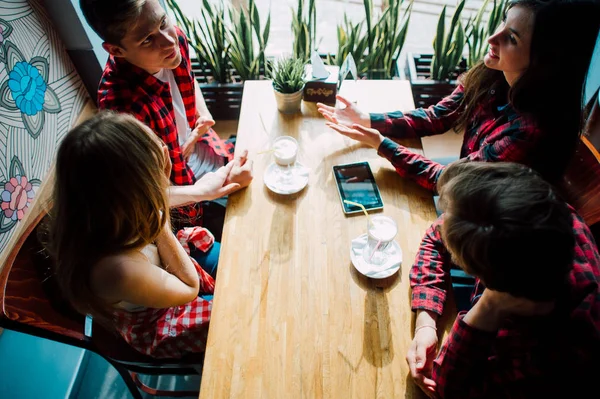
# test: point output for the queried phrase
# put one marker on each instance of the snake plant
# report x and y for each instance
(385, 38)
(304, 29)
(448, 46)
(350, 41)
(246, 27)
(477, 33)
(208, 38)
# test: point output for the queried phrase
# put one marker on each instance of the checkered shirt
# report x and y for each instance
(127, 88)
(495, 134)
(176, 331)
(525, 358)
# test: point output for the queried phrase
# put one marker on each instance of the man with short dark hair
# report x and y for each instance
(534, 326)
(149, 75)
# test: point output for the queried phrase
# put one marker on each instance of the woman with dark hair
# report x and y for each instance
(522, 103)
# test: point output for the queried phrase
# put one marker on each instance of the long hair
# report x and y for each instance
(109, 196)
(551, 89)
(505, 224)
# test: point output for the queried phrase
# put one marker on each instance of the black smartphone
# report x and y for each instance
(355, 182)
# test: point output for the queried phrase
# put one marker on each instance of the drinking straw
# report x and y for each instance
(375, 250)
(361, 206)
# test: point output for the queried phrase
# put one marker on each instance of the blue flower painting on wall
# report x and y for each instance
(41, 96)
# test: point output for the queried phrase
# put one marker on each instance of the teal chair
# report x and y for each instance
(30, 303)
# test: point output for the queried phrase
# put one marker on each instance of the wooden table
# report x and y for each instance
(292, 318)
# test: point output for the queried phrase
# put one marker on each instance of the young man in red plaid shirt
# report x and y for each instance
(534, 326)
(148, 75)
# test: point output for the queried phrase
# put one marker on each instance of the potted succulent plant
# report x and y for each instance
(288, 82)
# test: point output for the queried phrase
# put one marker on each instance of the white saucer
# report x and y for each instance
(299, 180)
(377, 272)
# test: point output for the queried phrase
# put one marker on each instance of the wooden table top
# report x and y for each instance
(291, 317)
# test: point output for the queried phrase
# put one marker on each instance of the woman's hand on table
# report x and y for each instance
(422, 351)
(241, 171)
(347, 116)
(214, 185)
(365, 135)
(420, 356)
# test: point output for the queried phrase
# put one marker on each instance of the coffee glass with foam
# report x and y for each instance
(381, 231)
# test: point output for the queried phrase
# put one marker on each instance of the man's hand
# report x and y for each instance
(365, 135)
(420, 356)
(241, 172)
(202, 126)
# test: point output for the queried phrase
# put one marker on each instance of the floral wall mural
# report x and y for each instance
(41, 97)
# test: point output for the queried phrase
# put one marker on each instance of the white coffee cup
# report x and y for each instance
(285, 150)
(381, 231)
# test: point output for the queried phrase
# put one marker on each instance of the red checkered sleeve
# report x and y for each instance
(429, 274)
(188, 93)
(460, 368)
(515, 141)
(528, 357)
(437, 119)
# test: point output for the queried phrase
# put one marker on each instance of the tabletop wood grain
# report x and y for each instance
(292, 318)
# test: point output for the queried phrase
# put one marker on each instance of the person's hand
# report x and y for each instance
(241, 172)
(202, 126)
(213, 185)
(347, 116)
(365, 135)
(420, 356)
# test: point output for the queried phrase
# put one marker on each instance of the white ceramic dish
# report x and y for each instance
(273, 178)
(377, 272)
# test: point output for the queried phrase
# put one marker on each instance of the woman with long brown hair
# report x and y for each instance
(522, 103)
(109, 234)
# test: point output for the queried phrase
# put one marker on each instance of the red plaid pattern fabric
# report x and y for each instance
(176, 331)
(495, 134)
(199, 236)
(526, 358)
(127, 88)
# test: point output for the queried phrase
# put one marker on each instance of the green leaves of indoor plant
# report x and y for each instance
(304, 29)
(207, 37)
(288, 75)
(385, 39)
(477, 34)
(245, 30)
(448, 46)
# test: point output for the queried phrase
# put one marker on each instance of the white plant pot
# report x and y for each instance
(289, 103)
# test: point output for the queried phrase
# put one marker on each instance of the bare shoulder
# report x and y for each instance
(111, 275)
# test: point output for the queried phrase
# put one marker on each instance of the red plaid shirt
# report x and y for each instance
(526, 358)
(127, 88)
(495, 134)
(177, 331)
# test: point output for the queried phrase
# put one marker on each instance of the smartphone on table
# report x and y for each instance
(355, 182)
